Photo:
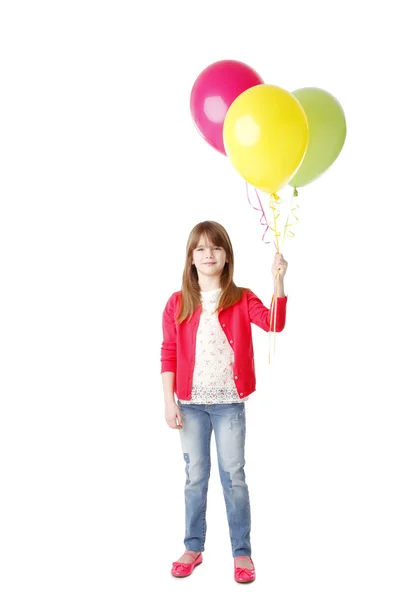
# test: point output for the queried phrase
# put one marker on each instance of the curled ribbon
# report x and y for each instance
(263, 219)
(274, 199)
(291, 212)
(289, 233)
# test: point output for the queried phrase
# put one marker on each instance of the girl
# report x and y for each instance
(207, 360)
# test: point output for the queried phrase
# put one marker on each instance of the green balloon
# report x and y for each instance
(327, 133)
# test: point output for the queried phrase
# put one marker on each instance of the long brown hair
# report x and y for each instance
(190, 293)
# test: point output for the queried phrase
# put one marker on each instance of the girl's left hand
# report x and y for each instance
(279, 264)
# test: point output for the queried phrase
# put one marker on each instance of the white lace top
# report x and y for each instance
(213, 381)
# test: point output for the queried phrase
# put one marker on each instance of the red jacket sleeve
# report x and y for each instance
(168, 346)
(260, 315)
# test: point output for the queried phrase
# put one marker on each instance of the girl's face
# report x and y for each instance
(208, 259)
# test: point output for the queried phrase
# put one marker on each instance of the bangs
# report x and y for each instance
(211, 235)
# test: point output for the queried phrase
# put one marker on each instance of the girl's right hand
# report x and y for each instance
(173, 415)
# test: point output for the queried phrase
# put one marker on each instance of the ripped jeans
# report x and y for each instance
(229, 424)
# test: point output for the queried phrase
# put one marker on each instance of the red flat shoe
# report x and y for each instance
(244, 575)
(180, 569)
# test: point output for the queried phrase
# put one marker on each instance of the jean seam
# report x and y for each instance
(206, 490)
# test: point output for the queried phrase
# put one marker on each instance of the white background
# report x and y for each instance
(103, 175)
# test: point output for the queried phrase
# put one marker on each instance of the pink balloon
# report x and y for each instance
(212, 94)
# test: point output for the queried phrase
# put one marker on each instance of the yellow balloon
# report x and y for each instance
(265, 136)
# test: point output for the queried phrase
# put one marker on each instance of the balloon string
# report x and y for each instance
(263, 219)
(291, 212)
(274, 199)
(273, 311)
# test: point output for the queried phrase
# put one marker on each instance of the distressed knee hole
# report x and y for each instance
(236, 420)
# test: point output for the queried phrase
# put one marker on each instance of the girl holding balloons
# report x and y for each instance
(208, 362)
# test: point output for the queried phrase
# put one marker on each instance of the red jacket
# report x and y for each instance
(179, 340)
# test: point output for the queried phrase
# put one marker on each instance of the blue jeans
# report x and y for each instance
(229, 424)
